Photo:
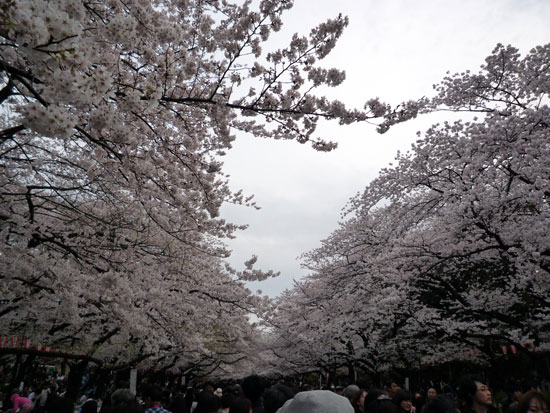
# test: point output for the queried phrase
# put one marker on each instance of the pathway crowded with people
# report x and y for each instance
(256, 394)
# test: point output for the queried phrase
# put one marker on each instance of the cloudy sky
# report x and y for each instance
(392, 49)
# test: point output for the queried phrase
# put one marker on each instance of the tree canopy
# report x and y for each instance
(116, 117)
(447, 251)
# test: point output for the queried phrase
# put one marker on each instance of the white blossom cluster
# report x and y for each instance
(118, 115)
(446, 255)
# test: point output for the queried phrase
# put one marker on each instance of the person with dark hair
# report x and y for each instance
(56, 403)
(276, 396)
(177, 404)
(121, 396)
(226, 400)
(370, 402)
(392, 387)
(130, 406)
(475, 394)
(533, 402)
(229, 394)
(124, 401)
(530, 383)
(152, 396)
(106, 404)
(41, 398)
(513, 395)
(253, 388)
(207, 402)
(61, 404)
(240, 405)
(51, 399)
(386, 406)
(378, 401)
(90, 406)
(418, 401)
(431, 393)
(438, 404)
(403, 400)
(189, 399)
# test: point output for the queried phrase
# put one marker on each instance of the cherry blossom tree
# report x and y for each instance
(447, 251)
(116, 116)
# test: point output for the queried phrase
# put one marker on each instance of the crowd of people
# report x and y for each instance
(254, 395)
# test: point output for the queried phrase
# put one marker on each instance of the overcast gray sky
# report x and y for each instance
(393, 49)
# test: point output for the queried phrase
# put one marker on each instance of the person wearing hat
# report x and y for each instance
(317, 401)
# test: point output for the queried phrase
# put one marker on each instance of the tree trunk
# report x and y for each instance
(101, 380)
(351, 373)
(24, 367)
(75, 379)
(15, 372)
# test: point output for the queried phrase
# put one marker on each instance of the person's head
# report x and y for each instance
(131, 406)
(403, 400)
(516, 395)
(226, 400)
(431, 393)
(339, 390)
(352, 393)
(151, 394)
(386, 406)
(392, 387)
(529, 384)
(240, 405)
(533, 402)
(207, 402)
(253, 387)
(373, 398)
(124, 401)
(234, 389)
(14, 395)
(121, 396)
(177, 404)
(438, 405)
(276, 396)
(475, 393)
(89, 407)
